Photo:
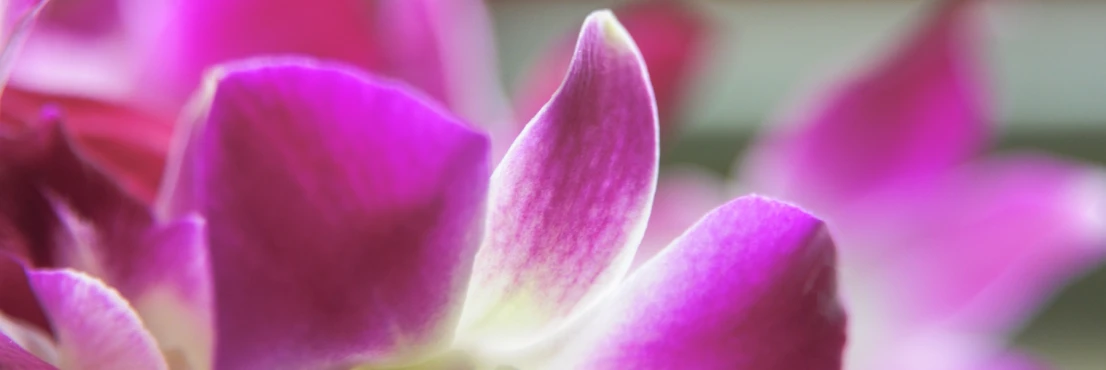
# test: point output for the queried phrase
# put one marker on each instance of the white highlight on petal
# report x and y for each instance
(81, 237)
(1089, 200)
(183, 337)
(83, 309)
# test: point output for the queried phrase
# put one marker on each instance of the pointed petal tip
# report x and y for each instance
(547, 220)
(614, 34)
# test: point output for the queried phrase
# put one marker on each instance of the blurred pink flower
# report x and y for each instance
(350, 220)
(122, 74)
(944, 249)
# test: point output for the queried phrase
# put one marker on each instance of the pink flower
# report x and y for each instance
(318, 217)
(122, 74)
(158, 50)
(944, 249)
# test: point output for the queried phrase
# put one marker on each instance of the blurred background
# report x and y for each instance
(1046, 64)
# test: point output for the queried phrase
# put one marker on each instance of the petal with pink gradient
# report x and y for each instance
(17, 299)
(12, 356)
(171, 290)
(95, 327)
(920, 111)
(684, 195)
(998, 236)
(671, 36)
(446, 49)
(26, 334)
(570, 200)
(82, 18)
(343, 211)
(129, 145)
(69, 213)
(751, 286)
(203, 33)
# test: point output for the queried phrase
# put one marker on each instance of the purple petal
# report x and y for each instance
(95, 327)
(343, 212)
(915, 114)
(571, 198)
(751, 286)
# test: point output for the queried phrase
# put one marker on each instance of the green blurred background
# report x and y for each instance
(1046, 62)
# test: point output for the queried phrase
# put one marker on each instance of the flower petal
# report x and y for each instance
(446, 49)
(128, 144)
(95, 327)
(684, 195)
(12, 356)
(999, 236)
(751, 286)
(65, 206)
(171, 290)
(343, 212)
(17, 299)
(571, 198)
(670, 36)
(917, 113)
(26, 335)
(203, 33)
(968, 257)
(70, 214)
(88, 18)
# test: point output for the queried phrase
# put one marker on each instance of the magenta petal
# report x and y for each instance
(129, 144)
(17, 298)
(916, 113)
(1015, 361)
(671, 37)
(69, 213)
(171, 289)
(684, 195)
(995, 239)
(203, 33)
(95, 327)
(751, 286)
(12, 356)
(446, 49)
(571, 198)
(342, 210)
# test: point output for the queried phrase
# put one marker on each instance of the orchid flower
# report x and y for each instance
(122, 73)
(944, 250)
(164, 46)
(315, 216)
